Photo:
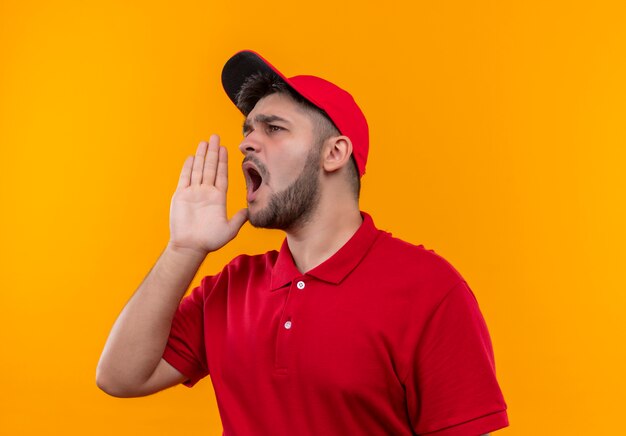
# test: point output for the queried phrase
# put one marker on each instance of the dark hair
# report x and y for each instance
(261, 85)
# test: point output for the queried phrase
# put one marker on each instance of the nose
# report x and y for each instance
(250, 144)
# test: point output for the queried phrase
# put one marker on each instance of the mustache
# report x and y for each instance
(258, 164)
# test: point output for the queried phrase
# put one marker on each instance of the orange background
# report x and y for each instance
(498, 135)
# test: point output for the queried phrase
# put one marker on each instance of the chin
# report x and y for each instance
(254, 213)
(264, 219)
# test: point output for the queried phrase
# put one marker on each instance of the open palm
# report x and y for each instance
(198, 218)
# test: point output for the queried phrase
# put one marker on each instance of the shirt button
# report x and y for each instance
(300, 284)
(288, 325)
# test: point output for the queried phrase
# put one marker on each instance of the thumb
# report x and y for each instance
(238, 220)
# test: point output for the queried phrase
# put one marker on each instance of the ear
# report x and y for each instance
(336, 153)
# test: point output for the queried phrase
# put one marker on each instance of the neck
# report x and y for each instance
(328, 229)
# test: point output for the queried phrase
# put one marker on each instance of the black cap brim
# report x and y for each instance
(241, 66)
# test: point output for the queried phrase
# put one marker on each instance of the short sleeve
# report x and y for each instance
(451, 387)
(185, 349)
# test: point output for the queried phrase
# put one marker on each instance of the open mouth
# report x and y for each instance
(256, 175)
(254, 178)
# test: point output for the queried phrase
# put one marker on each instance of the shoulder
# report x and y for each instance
(414, 265)
(408, 273)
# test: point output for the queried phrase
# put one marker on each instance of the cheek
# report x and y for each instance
(285, 170)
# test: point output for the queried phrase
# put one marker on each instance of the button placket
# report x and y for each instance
(284, 339)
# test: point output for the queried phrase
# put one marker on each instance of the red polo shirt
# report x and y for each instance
(384, 338)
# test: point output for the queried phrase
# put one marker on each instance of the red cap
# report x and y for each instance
(336, 103)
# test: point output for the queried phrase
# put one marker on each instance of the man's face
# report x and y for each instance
(281, 164)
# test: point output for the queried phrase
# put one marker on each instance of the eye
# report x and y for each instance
(272, 128)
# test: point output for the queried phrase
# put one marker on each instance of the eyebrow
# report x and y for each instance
(265, 119)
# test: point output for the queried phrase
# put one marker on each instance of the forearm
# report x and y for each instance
(139, 335)
(198, 225)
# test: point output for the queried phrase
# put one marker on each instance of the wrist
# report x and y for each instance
(186, 252)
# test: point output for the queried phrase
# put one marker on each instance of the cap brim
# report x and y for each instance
(241, 66)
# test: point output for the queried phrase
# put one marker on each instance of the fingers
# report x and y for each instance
(210, 163)
(209, 166)
(185, 173)
(198, 164)
(221, 178)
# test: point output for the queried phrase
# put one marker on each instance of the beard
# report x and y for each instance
(292, 207)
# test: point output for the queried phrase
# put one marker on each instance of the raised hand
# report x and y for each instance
(198, 220)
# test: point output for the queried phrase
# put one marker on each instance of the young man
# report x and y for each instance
(345, 330)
